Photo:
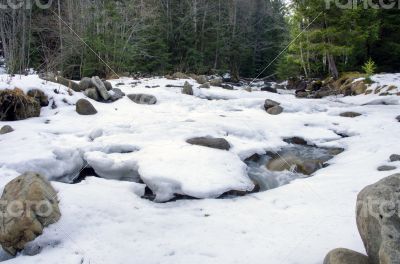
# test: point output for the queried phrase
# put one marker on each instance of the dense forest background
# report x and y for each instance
(199, 36)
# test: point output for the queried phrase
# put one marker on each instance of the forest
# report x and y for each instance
(104, 37)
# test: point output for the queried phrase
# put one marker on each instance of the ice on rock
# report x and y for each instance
(115, 166)
(199, 172)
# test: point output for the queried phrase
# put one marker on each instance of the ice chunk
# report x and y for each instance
(115, 166)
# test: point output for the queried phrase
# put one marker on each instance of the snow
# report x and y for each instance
(192, 170)
(105, 220)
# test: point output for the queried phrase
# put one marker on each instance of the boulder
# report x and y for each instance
(301, 94)
(69, 83)
(108, 85)
(205, 85)
(324, 92)
(296, 84)
(39, 96)
(394, 157)
(294, 163)
(201, 79)
(296, 141)
(398, 118)
(86, 83)
(314, 86)
(187, 89)
(345, 256)
(116, 94)
(216, 82)
(6, 129)
(226, 86)
(92, 94)
(216, 143)
(84, 107)
(270, 103)
(358, 88)
(276, 110)
(15, 105)
(378, 220)
(350, 114)
(269, 89)
(386, 168)
(101, 88)
(179, 75)
(143, 99)
(29, 204)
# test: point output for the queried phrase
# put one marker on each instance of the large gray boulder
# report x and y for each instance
(6, 129)
(39, 96)
(378, 220)
(201, 79)
(29, 204)
(217, 143)
(216, 82)
(86, 83)
(116, 94)
(272, 107)
(180, 75)
(205, 85)
(108, 85)
(187, 89)
(101, 88)
(84, 107)
(276, 110)
(92, 93)
(15, 105)
(270, 103)
(345, 256)
(143, 98)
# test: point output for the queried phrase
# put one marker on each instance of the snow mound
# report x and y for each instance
(115, 166)
(195, 171)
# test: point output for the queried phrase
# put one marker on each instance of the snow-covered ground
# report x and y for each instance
(107, 221)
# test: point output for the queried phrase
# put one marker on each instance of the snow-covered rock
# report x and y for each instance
(192, 170)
